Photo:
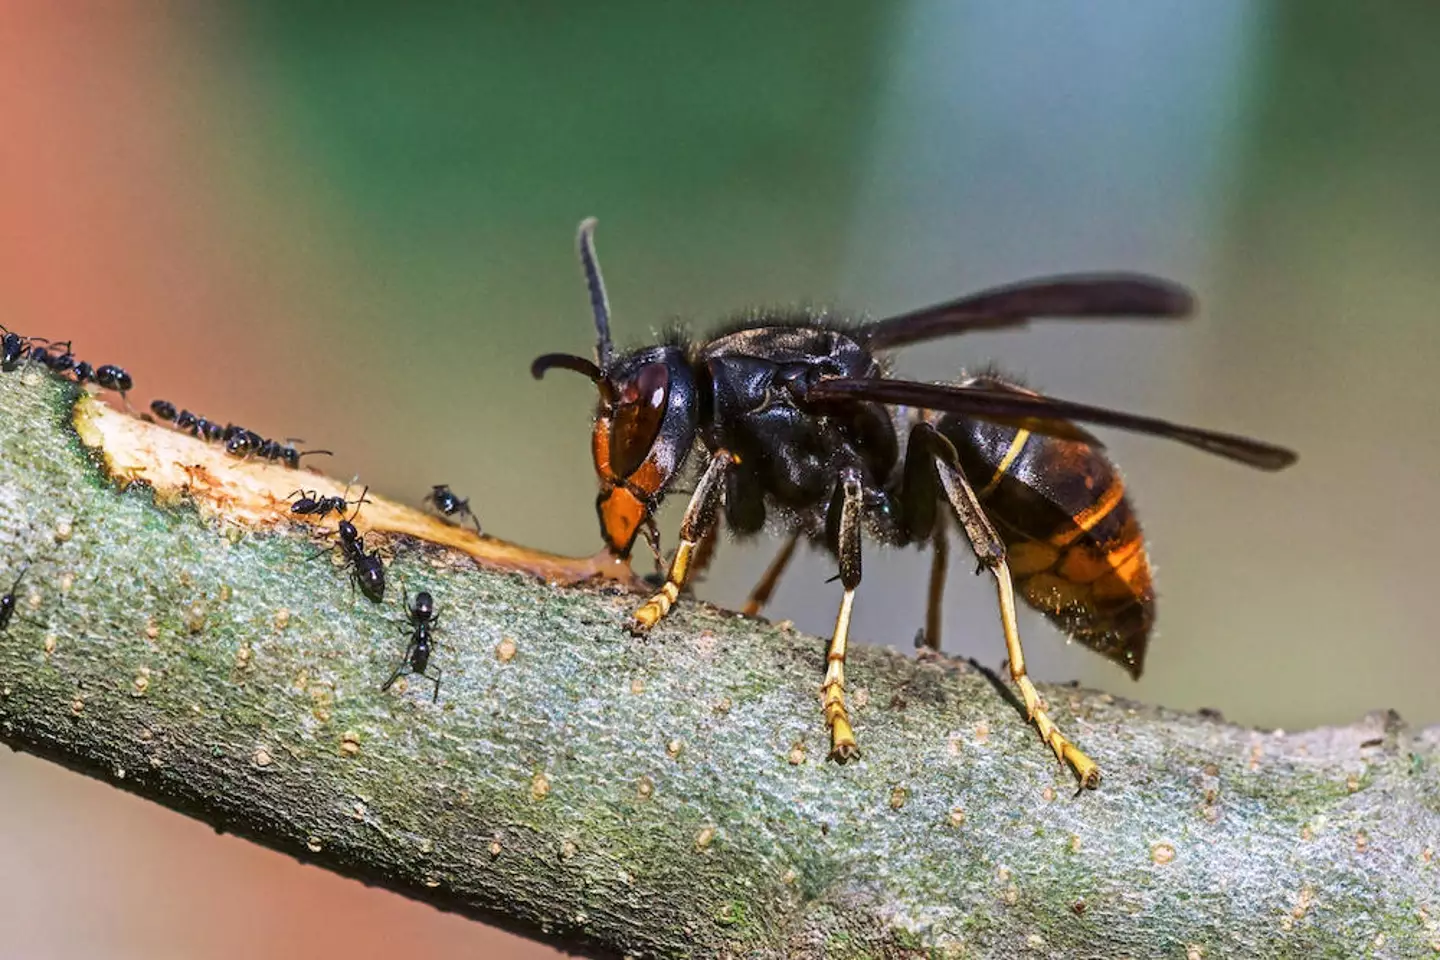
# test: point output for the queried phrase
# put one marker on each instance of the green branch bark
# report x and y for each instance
(668, 796)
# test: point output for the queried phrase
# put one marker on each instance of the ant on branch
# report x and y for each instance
(238, 441)
(420, 620)
(8, 602)
(114, 378)
(367, 570)
(312, 504)
(448, 502)
(58, 362)
(13, 346)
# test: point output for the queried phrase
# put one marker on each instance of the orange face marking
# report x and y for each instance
(600, 447)
(647, 479)
(620, 505)
(621, 515)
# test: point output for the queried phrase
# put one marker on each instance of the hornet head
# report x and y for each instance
(645, 419)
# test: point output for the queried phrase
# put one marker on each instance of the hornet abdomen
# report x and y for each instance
(1074, 544)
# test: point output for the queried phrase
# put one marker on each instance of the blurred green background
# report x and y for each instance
(354, 223)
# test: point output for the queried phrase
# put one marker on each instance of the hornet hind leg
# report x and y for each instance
(990, 551)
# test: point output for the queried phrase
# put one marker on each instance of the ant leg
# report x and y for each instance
(436, 680)
(358, 503)
(320, 553)
(761, 594)
(464, 511)
(832, 691)
(990, 551)
(29, 355)
(699, 517)
(401, 670)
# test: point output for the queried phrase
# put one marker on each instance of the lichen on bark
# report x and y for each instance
(658, 797)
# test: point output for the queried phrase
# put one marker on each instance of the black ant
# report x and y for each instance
(163, 409)
(41, 355)
(448, 502)
(210, 430)
(274, 450)
(61, 362)
(291, 457)
(367, 570)
(13, 347)
(114, 378)
(311, 504)
(421, 619)
(7, 602)
(83, 372)
(240, 442)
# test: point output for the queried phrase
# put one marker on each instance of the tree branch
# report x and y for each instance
(666, 796)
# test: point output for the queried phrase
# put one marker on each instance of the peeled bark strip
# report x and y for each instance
(666, 796)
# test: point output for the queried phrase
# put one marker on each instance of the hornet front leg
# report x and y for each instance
(700, 516)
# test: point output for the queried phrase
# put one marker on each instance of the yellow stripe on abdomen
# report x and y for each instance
(1087, 519)
(1006, 462)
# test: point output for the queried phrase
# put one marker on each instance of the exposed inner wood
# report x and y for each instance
(257, 494)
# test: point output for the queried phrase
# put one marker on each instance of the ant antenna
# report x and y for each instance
(348, 486)
(358, 503)
(599, 303)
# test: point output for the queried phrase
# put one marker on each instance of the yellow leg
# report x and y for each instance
(990, 550)
(761, 594)
(652, 611)
(832, 691)
(699, 518)
(1085, 768)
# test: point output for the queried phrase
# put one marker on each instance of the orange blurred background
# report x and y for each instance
(354, 223)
